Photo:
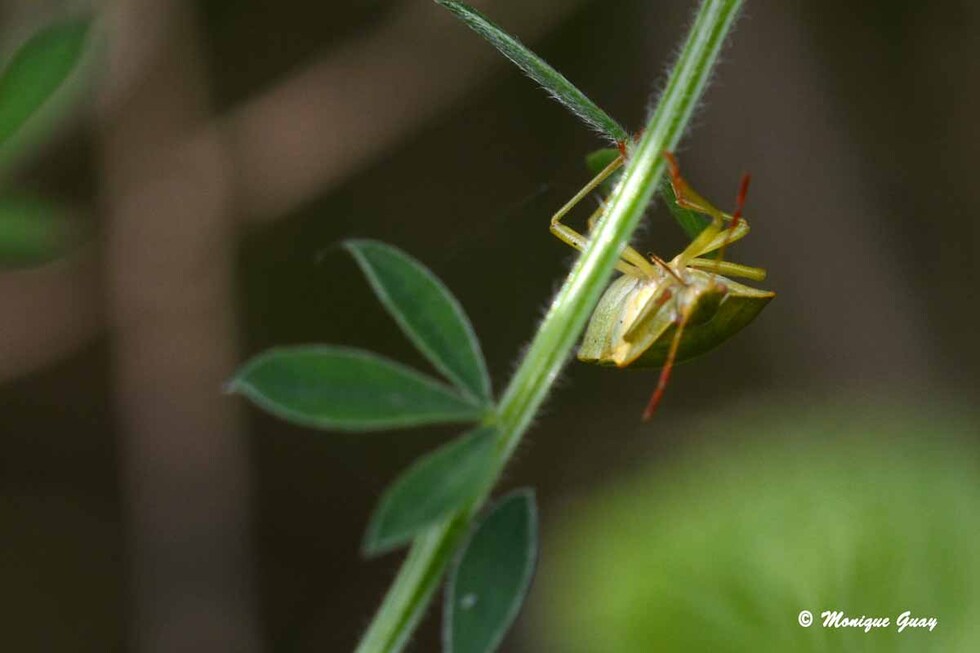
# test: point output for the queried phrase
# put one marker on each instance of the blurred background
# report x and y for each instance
(210, 156)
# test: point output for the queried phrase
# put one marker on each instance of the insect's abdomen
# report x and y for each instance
(604, 341)
(735, 312)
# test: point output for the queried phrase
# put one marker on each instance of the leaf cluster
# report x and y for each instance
(353, 390)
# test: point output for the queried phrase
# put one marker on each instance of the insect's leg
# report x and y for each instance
(629, 254)
(688, 199)
(594, 218)
(665, 266)
(715, 236)
(721, 238)
(648, 325)
(728, 268)
(633, 263)
(582, 194)
(658, 392)
(686, 196)
(573, 238)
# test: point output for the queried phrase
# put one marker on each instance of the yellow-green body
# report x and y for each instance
(623, 334)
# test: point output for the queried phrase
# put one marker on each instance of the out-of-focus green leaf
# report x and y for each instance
(601, 159)
(487, 586)
(427, 312)
(348, 390)
(784, 505)
(692, 223)
(36, 71)
(434, 487)
(33, 231)
(539, 70)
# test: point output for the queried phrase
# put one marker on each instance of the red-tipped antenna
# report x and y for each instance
(743, 191)
(658, 393)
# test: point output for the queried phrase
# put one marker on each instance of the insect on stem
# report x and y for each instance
(632, 326)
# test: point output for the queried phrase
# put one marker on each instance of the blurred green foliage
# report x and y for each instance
(873, 512)
(36, 71)
(35, 231)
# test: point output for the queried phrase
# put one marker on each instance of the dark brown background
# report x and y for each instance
(232, 145)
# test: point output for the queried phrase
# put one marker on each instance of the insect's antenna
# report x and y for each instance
(743, 191)
(658, 392)
(665, 267)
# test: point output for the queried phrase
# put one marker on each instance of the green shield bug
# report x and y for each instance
(661, 312)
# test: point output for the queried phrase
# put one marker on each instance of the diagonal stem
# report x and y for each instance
(422, 570)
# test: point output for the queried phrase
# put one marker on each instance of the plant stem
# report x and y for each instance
(430, 555)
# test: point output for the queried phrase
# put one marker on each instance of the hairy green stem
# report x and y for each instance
(422, 570)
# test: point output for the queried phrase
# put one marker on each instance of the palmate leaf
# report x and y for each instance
(348, 390)
(539, 70)
(426, 312)
(36, 71)
(489, 582)
(434, 487)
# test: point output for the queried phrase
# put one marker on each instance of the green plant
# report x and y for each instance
(35, 230)
(434, 503)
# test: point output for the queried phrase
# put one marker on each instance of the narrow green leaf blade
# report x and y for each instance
(427, 313)
(488, 584)
(33, 231)
(36, 71)
(347, 390)
(539, 70)
(692, 223)
(435, 486)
